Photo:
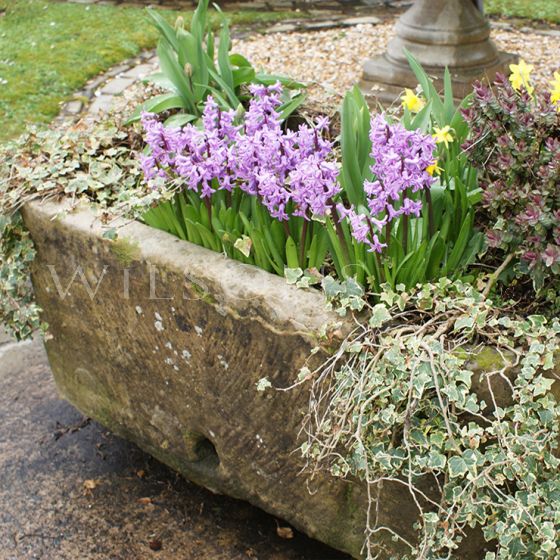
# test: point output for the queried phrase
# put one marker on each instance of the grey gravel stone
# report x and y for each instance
(317, 25)
(549, 32)
(73, 107)
(501, 25)
(282, 28)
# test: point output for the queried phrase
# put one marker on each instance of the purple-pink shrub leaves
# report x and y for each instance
(515, 142)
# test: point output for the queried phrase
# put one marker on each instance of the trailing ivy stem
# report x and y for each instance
(302, 243)
(496, 274)
(430, 212)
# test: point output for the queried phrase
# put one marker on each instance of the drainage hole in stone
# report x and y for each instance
(207, 454)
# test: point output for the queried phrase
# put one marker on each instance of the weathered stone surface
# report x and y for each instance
(361, 20)
(4, 337)
(116, 86)
(283, 28)
(74, 107)
(166, 349)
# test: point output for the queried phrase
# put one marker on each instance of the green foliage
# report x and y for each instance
(241, 228)
(19, 313)
(96, 166)
(404, 399)
(514, 142)
(50, 49)
(197, 63)
(547, 10)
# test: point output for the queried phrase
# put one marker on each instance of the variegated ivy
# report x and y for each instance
(85, 163)
(440, 389)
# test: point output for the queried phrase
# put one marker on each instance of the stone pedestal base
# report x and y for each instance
(440, 34)
(384, 80)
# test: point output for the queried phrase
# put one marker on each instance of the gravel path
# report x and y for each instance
(332, 59)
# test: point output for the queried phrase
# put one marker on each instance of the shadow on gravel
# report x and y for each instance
(69, 489)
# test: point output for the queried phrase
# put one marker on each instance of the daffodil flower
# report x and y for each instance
(412, 102)
(443, 135)
(434, 169)
(521, 76)
(555, 91)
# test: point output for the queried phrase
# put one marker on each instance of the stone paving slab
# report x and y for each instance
(70, 490)
(116, 86)
(101, 104)
(141, 71)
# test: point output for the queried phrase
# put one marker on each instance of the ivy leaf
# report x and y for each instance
(292, 275)
(379, 315)
(110, 234)
(457, 467)
(331, 287)
(304, 373)
(436, 460)
(244, 244)
(263, 384)
(542, 385)
(464, 322)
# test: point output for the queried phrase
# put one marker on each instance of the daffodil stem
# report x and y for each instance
(430, 212)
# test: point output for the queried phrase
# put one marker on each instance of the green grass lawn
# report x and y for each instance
(48, 50)
(548, 10)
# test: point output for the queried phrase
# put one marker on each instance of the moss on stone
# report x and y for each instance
(487, 359)
(127, 251)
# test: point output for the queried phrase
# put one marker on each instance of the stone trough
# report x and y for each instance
(163, 342)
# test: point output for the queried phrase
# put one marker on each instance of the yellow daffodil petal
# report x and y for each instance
(412, 102)
(521, 76)
(434, 169)
(555, 90)
(443, 135)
